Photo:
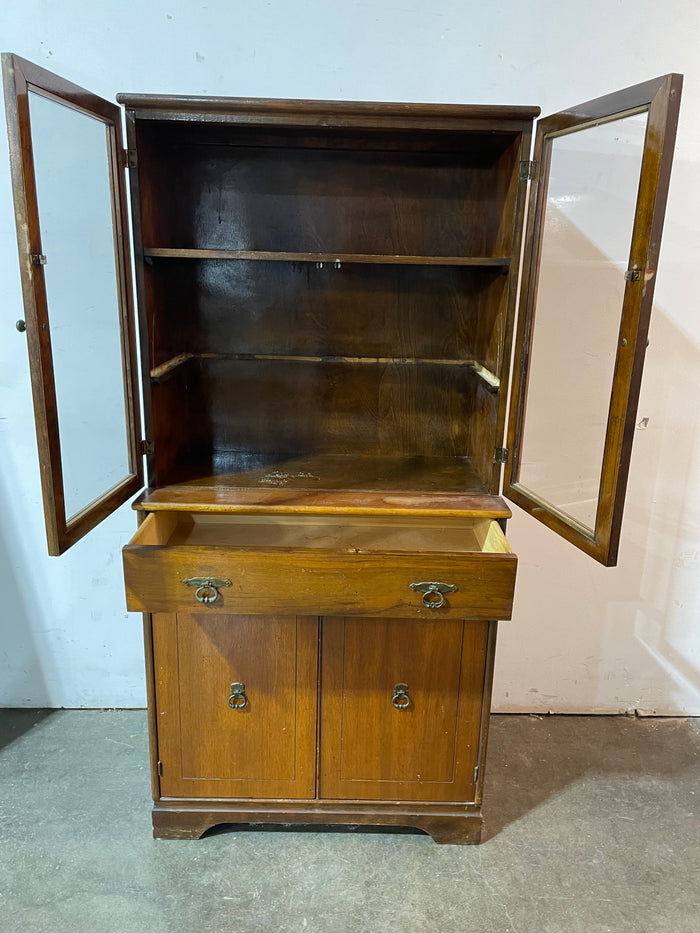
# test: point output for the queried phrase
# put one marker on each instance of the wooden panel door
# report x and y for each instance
(260, 744)
(379, 741)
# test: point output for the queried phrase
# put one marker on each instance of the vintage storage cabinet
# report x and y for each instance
(327, 297)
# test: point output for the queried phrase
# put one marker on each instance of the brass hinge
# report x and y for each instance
(38, 259)
(129, 156)
(501, 455)
(147, 448)
(476, 774)
(159, 769)
(527, 170)
(633, 275)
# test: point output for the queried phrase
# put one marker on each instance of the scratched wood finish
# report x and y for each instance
(344, 475)
(212, 494)
(208, 749)
(309, 574)
(427, 751)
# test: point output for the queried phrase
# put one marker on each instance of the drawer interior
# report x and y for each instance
(348, 534)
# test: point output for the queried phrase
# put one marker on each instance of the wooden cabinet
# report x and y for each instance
(327, 296)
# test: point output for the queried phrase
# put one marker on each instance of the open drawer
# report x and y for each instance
(315, 564)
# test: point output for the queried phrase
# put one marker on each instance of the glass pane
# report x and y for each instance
(586, 239)
(72, 171)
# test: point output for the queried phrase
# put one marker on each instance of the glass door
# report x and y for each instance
(594, 226)
(69, 190)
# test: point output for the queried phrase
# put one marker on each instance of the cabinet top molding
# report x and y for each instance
(328, 111)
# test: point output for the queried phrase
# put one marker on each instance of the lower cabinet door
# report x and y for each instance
(401, 706)
(236, 702)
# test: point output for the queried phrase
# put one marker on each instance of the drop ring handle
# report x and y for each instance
(207, 588)
(238, 699)
(401, 699)
(434, 593)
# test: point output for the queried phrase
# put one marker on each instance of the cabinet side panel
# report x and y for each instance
(151, 700)
(143, 305)
(509, 321)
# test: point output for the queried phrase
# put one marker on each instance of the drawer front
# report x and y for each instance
(313, 582)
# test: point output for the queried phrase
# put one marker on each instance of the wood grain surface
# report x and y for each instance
(321, 567)
(208, 749)
(427, 751)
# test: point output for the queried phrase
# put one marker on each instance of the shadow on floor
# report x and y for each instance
(15, 722)
(311, 828)
(533, 758)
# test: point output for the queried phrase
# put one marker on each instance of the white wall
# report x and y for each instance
(583, 637)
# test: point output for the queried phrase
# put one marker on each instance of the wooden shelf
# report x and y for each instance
(335, 484)
(497, 262)
(158, 373)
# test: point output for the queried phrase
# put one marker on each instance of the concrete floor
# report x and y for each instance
(592, 824)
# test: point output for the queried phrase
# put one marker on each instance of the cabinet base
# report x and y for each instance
(181, 819)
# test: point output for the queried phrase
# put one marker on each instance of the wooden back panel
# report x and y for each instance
(230, 188)
(294, 308)
(273, 409)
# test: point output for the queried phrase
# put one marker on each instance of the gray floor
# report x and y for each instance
(592, 824)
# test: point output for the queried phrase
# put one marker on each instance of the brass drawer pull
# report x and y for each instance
(401, 699)
(207, 588)
(238, 699)
(433, 593)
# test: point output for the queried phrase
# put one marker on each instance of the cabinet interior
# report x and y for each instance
(326, 309)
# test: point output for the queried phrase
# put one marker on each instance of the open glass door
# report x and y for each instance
(594, 227)
(70, 208)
